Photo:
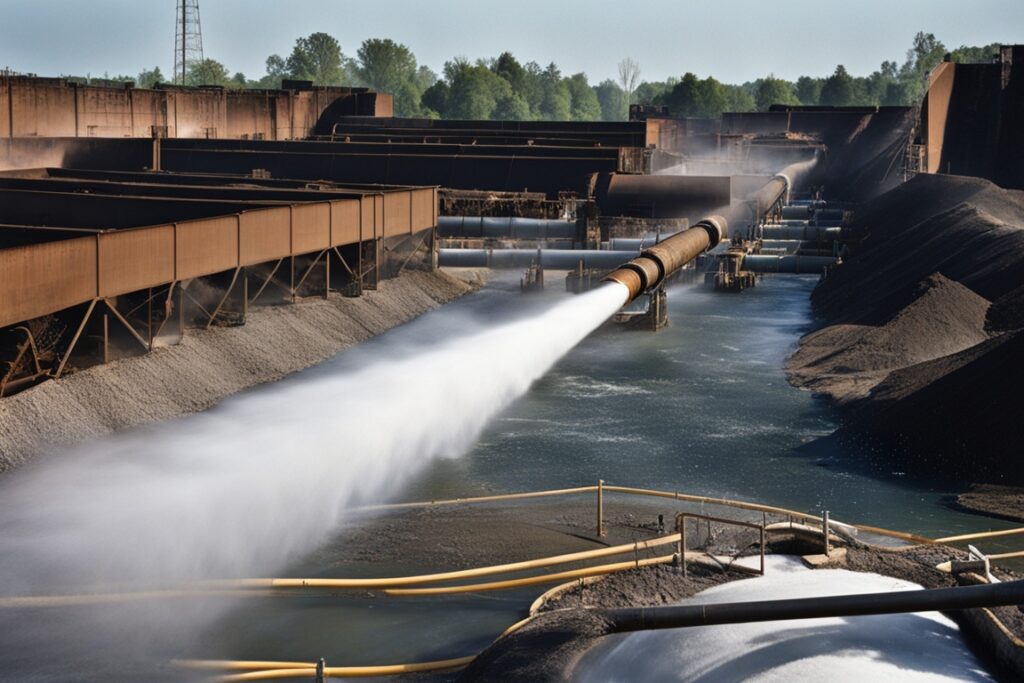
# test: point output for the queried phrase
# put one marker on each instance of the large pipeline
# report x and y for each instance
(485, 227)
(789, 263)
(800, 232)
(658, 262)
(555, 259)
(677, 616)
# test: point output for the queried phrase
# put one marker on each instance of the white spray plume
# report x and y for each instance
(267, 476)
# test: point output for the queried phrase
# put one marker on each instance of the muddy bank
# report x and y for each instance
(1001, 502)
(922, 328)
(209, 365)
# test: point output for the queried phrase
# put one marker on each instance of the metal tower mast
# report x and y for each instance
(188, 39)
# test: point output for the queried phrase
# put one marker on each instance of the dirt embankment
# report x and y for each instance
(209, 365)
(923, 330)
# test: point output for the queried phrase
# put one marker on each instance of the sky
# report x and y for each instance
(733, 40)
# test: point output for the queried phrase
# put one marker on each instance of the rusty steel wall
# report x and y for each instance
(44, 111)
(311, 227)
(345, 222)
(397, 214)
(264, 235)
(130, 260)
(43, 278)
(34, 107)
(206, 246)
(934, 111)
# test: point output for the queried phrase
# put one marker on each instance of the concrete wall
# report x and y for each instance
(51, 107)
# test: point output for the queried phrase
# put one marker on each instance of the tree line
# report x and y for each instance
(505, 88)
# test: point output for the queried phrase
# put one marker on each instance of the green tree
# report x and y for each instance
(207, 72)
(511, 107)
(808, 90)
(773, 90)
(387, 66)
(556, 103)
(149, 78)
(837, 90)
(473, 90)
(650, 92)
(435, 99)
(695, 98)
(509, 68)
(975, 55)
(315, 58)
(583, 100)
(612, 100)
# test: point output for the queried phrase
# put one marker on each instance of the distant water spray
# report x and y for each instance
(258, 481)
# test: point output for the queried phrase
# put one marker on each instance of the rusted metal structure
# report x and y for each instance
(648, 271)
(970, 119)
(57, 108)
(152, 254)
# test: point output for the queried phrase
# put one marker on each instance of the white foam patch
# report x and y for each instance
(925, 646)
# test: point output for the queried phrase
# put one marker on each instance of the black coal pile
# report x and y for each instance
(922, 330)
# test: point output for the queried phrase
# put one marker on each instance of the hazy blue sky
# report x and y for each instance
(734, 40)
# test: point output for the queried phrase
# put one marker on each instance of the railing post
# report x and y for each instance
(824, 532)
(600, 508)
(320, 671)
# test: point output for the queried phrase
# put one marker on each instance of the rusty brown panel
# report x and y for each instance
(205, 246)
(130, 260)
(43, 278)
(383, 104)
(149, 109)
(368, 204)
(42, 110)
(345, 221)
(104, 113)
(264, 235)
(935, 111)
(248, 115)
(378, 215)
(311, 227)
(423, 209)
(397, 213)
(5, 119)
(200, 114)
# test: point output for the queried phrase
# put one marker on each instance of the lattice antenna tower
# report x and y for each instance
(188, 39)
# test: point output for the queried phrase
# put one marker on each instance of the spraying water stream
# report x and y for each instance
(265, 477)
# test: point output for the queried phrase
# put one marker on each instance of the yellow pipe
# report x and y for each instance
(983, 534)
(239, 665)
(458, 574)
(483, 499)
(530, 581)
(350, 671)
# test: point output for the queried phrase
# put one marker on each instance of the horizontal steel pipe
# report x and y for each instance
(555, 259)
(658, 262)
(638, 243)
(800, 232)
(898, 602)
(763, 263)
(487, 227)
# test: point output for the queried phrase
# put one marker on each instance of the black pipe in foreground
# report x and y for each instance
(937, 599)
